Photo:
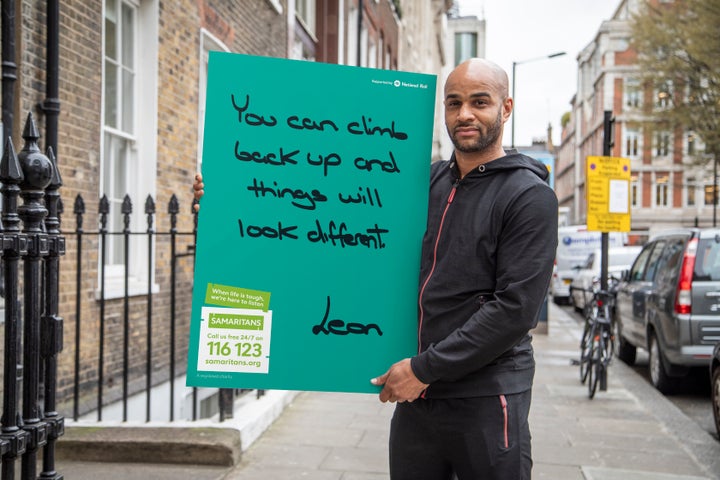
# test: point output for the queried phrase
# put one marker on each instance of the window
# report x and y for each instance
(634, 191)
(663, 94)
(352, 37)
(662, 144)
(690, 192)
(632, 142)
(465, 46)
(128, 165)
(633, 93)
(710, 192)
(662, 190)
(305, 10)
(668, 266)
(119, 120)
(653, 260)
(648, 256)
(707, 262)
(691, 143)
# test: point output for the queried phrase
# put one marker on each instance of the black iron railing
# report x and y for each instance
(100, 240)
(30, 237)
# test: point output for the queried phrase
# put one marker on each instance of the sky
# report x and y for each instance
(522, 30)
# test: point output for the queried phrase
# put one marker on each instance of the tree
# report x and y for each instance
(678, 48)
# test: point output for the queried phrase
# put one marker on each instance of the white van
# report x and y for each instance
(575, 244)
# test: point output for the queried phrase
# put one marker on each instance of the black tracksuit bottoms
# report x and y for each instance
(479, 438)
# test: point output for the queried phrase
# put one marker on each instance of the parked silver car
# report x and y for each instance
(669, 304)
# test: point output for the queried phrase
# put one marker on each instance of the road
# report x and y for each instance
(692, 397)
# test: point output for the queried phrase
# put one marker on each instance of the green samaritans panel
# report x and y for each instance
(310, 229)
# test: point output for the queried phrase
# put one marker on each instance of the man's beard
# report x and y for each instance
(483, 141)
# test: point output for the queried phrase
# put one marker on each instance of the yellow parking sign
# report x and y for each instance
(608, 194)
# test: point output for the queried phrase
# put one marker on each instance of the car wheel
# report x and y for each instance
(658, 376)
(625, 350)
(715, 395)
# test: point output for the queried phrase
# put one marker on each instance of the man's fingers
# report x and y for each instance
(380, 380)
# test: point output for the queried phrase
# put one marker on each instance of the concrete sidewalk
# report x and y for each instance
(629, 432)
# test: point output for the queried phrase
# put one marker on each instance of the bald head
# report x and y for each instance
(477, 105)
(482, 70)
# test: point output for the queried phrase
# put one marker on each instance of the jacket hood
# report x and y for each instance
(511, 161)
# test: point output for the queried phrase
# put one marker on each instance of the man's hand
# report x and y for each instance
(198, 190)
(400, 383)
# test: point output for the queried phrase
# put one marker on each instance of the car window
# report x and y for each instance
(638, 269)
(669, 263)
(707, 260)
(652, 263)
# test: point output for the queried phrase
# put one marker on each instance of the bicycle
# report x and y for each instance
(597, 343)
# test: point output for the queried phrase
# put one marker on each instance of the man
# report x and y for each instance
(487, 257)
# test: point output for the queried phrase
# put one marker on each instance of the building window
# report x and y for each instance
(129, 132)
(352, 38)
(632, 143)
(634, 191)
(306, 10)
(633, 93)
(690, 192)
(465, 46)
(662, 190)
(663, 94)
(709, 193)
(119, 102)
(662, 144)
(691, 144)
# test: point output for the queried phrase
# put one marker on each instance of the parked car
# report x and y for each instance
(715, 385)
(669, 304)
(620, 259)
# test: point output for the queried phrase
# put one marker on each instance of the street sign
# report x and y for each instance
(608, 194)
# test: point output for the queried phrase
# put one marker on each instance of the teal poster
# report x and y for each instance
(308, 248)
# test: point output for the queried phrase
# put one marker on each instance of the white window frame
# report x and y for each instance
(663, 96)
(665, 149)
(306, 13)
(662, 191)
(141, 164)
(632, 93)
(352, 37)
(635, 191)
(691, 190)
(708, 187)
(632, 144)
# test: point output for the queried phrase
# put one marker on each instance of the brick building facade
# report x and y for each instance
(670, 185)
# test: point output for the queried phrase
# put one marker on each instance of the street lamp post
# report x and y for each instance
(514, 64)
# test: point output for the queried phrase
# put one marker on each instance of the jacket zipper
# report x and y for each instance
(432, 269)
(450, 199)
(503, 403)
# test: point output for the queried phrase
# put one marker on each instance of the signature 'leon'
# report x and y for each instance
(339, 327)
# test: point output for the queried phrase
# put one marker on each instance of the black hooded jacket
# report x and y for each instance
(487, 258)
